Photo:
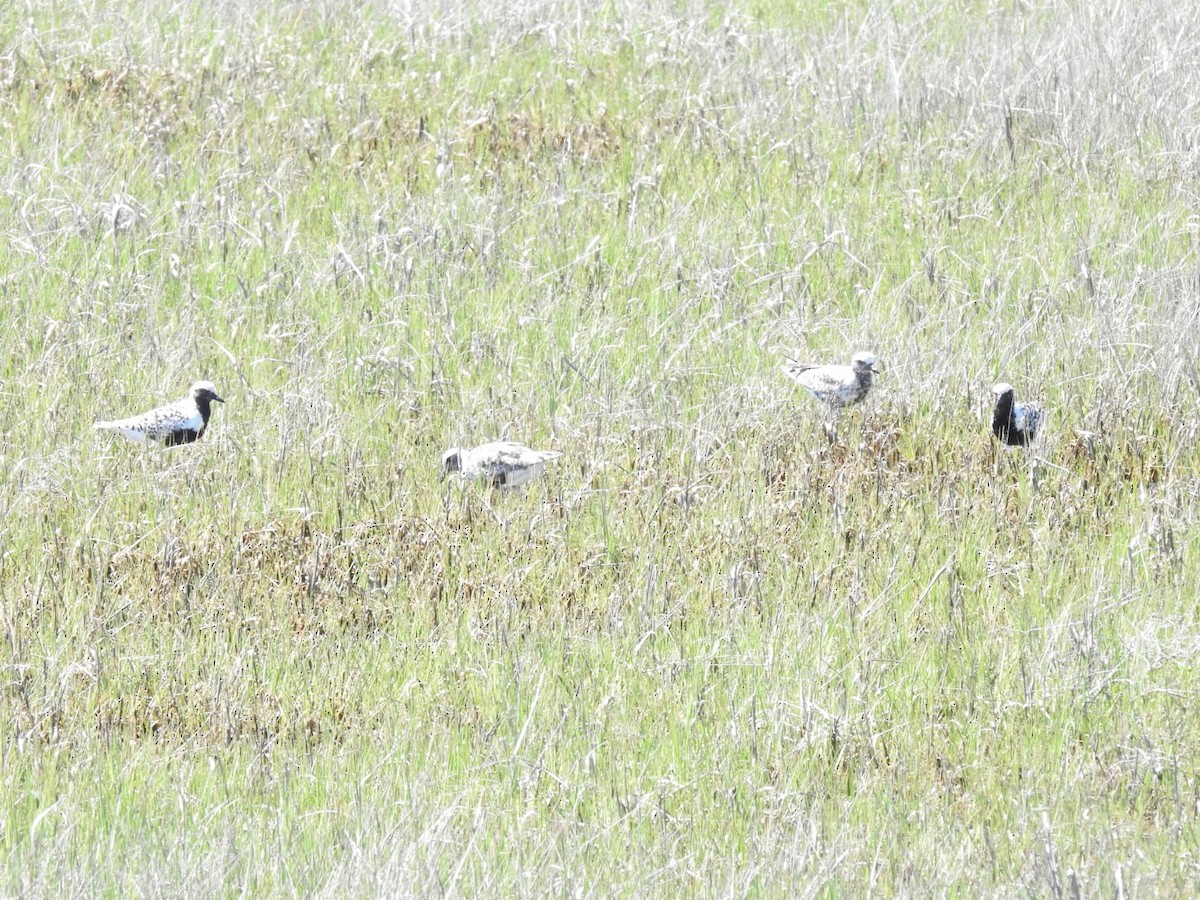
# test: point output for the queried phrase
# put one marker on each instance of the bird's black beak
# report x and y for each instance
(218, 399)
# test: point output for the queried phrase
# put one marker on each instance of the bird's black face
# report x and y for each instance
(864, 364)
(203, 392)
(451, 463)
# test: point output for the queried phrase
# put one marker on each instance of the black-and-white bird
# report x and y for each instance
(176, 423)
(1015, 424)
(837, 386)
(503, 464)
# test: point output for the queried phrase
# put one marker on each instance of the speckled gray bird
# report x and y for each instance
(181, 422)
(503, 464)
(1014, 423)
(838, 386)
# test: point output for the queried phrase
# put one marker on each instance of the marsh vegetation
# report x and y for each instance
(709, 652)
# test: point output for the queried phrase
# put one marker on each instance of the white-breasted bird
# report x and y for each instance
(1015, 424)
(836, 385)
(504, 464)
(181, 422)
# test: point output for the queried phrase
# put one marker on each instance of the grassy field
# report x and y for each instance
(710, 653)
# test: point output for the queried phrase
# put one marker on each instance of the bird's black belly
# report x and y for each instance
(1013, 438)
(183, 436)
(1010, 434)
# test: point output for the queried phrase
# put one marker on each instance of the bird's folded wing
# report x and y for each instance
(1026, 418)
(825, 379)
(796, 370)
(167, 420)
(514, 457)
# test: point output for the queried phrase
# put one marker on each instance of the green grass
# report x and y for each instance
(709, 653)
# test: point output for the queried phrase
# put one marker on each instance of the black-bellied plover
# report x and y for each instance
(503, 464)
(176, 423)
(1016, 424)
(835, 385)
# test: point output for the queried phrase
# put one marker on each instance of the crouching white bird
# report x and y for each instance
(838, 386)
(503, 464)
(181, 422)
(1015, 424)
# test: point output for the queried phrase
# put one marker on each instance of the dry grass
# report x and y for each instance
(710, 653)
